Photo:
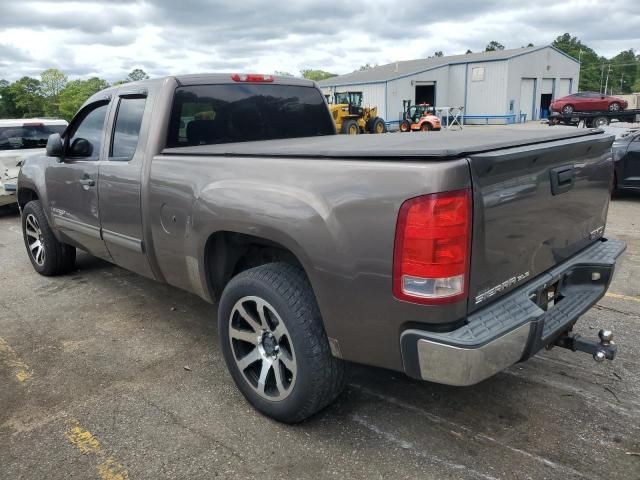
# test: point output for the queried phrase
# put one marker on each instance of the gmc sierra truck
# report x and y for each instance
(448, 257)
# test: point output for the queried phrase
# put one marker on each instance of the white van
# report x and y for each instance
(19, 139)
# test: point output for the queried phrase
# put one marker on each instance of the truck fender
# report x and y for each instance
(290, 216)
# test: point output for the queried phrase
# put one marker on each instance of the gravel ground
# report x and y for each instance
(107, 375)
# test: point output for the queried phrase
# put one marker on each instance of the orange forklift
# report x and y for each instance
(419, 118)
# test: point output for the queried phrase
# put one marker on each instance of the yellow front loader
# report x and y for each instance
(352, 118)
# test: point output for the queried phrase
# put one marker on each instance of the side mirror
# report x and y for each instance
(80, 148)
(54, 145)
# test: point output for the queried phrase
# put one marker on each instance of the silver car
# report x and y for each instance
(19, 139)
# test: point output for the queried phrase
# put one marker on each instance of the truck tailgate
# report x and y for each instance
(534, 207)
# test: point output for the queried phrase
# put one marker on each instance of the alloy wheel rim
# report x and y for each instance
(615, 107)
(262, 348)
(35, 239)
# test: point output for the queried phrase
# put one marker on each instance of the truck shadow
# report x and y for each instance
(7, 211)
(626, 195)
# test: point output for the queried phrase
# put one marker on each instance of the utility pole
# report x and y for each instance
(621, 78)
(606, 83)
(601, 77)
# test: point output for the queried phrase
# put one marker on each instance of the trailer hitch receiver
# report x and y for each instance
(605, 349)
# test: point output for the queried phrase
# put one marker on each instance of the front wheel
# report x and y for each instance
(567, 109)
(377, 126)
(405, 126)
(274, 343)
(48, 255)
(350, 127)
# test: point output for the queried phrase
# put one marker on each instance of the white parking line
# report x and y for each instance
(478, 436)
(390, 437)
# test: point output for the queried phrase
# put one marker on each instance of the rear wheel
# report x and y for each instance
(274, 344)
(48, 255)
(567, 109)
(350, 127)
(600, 121)
(405, 126)
(426, 127)
(615, 107)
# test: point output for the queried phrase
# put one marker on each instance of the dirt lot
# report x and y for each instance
(106, 375)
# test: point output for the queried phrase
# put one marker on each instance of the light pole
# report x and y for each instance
(579, 67)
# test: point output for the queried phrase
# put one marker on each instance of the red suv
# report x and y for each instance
(588, 101)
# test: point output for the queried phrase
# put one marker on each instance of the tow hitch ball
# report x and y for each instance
(604, 349)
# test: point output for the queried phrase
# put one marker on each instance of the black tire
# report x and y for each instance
(600, 121)
(377, 125)
(57, 257)
(567, 109)
(284, 290)
(405, 126)
(426, 127)
(615, 107)
(350, 127)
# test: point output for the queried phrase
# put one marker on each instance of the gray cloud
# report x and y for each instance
(111, 37)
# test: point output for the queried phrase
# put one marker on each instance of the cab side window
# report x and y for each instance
(86, 140)
(127, 128)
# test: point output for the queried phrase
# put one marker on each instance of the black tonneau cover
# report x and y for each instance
(445, 144)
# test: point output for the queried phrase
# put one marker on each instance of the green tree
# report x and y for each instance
(27, 97)
(136, 75)
(492, 46)
(438, 54)
(366, 66)
(468, 52)
(52, 82)
(624, 71)
(76, 92)
(316, 75)
(590, 63)
(7, 104)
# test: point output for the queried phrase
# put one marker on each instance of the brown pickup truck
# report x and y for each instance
(447, 256)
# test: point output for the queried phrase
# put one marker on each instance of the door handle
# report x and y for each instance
(87, 182)
(562, 179)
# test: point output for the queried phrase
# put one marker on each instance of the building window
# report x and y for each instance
(477, 74)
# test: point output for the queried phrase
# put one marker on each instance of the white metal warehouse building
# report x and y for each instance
(493, 87)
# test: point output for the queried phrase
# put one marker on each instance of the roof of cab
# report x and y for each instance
(191, 79)
(19, 122)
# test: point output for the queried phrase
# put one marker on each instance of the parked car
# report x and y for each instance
(588, 102)
(626, 155)
(448, 258)
(20, 138)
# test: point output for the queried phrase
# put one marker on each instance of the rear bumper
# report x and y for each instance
(514, 327)
(7, 193)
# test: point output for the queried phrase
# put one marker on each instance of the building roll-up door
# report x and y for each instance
(527, 92)
(564, 88)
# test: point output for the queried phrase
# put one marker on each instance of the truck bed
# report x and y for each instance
(446, 144)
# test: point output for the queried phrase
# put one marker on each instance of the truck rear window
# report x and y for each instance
(27, 136)
(226, 113)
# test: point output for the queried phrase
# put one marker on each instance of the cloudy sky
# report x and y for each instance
(108, 38)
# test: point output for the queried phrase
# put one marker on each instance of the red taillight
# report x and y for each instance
(432, 248)
(251, 78)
